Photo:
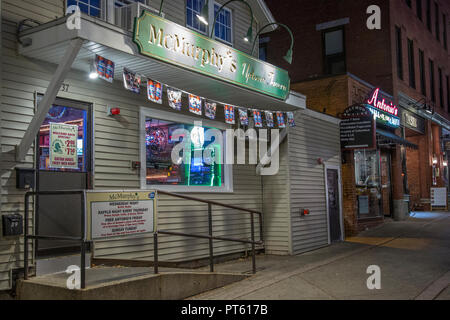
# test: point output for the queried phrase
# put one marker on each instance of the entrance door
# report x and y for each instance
(334, 207)
(386, 187)
(60, 215)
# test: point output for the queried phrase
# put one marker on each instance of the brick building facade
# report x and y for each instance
(338, 60)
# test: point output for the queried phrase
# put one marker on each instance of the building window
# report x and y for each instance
(367, 179)
(423, 88)
(432, 87)
(398, 40)
(444, 30)
(419, 9)
(441, 88)
(412, 72)
(448, 94)
(334, 51)
(90, 7)
(438, 32)
(429, 15)
(194, 8)
(122, 3)
(201, 166)
(223, 28)
(263, 48)
(408, 3)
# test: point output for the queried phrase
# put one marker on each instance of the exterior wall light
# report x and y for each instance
(434, 160)
(288, 56)
(203, 17)
(93, 72)
(445, 163)
(249, 36)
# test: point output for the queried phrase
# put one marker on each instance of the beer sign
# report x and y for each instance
(63, 146)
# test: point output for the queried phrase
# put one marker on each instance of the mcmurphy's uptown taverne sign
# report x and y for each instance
(167, 41)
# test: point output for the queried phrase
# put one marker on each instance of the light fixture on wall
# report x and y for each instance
(445, 163)
(288, 56)
(248, 37)
(203, 16)
(93, 74)
(434, 160)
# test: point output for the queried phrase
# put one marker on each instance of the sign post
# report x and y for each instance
(121, 213)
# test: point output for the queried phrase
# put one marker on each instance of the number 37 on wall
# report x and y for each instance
(65, 87)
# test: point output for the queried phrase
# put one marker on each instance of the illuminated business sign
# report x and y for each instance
(169, 42)
(381, 103)
(384, 110)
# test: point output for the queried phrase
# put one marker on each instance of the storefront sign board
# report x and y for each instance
(357, 128)
(122, 213)
(169, 42)
(438, 198)
(63, 146)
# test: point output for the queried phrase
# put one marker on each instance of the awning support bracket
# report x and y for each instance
(49, 97)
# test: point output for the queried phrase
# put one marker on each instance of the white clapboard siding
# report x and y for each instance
(276, 207)
(311, 139)
(117, 143)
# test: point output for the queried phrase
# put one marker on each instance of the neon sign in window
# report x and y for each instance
(194, 171)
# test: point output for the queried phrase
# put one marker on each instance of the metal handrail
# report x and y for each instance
(52, 237)
(210, 236)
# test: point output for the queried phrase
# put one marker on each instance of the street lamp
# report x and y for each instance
(203, 17)
(288, 56)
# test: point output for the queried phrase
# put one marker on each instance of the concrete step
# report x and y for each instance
(118, 283)
(59, 264)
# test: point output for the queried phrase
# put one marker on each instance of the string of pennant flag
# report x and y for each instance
(155, 90)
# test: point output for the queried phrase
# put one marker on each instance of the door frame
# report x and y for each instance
(89, 107)
(341, 218)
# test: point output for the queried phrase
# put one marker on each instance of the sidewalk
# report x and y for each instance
(413, 255)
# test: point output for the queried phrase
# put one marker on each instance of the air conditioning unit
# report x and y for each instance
(124, 16)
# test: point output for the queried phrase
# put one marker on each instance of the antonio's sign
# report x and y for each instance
(357, 128)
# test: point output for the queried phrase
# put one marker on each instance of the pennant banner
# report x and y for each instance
(131, 81)
(229, 114)
(154, 91)
(105, 68)
(291, 120)
(195, 104)
(210, 110)
(174, 97)
(257, 118)
(243, 117)
(269, 119)
(280, 120)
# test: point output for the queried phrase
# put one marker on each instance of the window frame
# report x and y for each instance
(399, 51)
(419, 9)
(441, 88)
(326, 58)
(432, 80)
(411, 64)
(145, 113)
(102, 8)
(231, 24)
(423, 85)
(437, 21)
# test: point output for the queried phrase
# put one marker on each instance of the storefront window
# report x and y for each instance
(367, 180)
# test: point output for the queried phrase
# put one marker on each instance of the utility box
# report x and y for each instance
(12, 225)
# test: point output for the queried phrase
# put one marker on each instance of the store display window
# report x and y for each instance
(199, 169)
(367, 180)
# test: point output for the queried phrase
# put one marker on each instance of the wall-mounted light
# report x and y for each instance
(93, 74)
(249, 36)
(434, 160)
(203, 16)
(288, 56)
(445, 163)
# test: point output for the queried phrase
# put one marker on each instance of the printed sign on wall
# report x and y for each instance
(115, 214)
(63, 146)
